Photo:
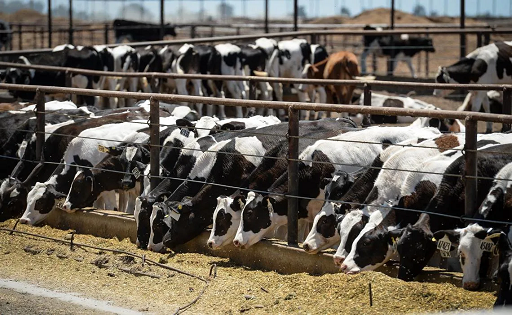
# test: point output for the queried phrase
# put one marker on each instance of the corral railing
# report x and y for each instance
(341, 40)
(293, 108)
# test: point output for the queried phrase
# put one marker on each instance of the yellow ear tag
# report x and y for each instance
(166, 216)
(180, 207)
(434, 239)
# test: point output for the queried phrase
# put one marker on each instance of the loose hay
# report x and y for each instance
(269, 291)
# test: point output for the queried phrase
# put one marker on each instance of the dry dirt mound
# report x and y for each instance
(337, 19)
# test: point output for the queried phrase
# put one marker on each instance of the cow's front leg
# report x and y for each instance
(322, 98)
(408, 61)
(134, 83)
(235, 92)
(302, 98)
(363, 61)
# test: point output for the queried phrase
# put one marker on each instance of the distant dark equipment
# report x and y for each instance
(5, 36)
(133, 31)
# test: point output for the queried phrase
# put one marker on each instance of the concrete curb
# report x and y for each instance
(266, 255)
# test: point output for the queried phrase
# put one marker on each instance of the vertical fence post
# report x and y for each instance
(507, 107)
(293, 178)
(192, 31)
(367, 102)
(40, 124)
(427, 70)
(478, 40)
(154, 121)
(106, 34)
(20, 38)
(50, 24)
(70, 17)
(252, 90)
(462, 26)
(470, 171)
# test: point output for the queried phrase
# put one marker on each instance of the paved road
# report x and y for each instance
(24, 298)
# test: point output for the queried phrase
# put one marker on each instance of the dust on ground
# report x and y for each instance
(236, 289)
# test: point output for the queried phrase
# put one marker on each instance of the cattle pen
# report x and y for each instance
(269, 256)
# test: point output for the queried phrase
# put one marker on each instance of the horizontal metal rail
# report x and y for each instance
(355, 109)
(287, 34)
(360, 83)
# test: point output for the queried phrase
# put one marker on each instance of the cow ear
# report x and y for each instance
(184, 123)
(393, 236)
(453, 236)
(114, 151)
(238, 203)
(325, 182)
(269, 203)
(187, 201)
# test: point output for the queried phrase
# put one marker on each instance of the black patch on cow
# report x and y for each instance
(230, 59)
(415, 249)
(305, 48)
(320, 54)
(256, 215)
(222, 222)
(371, 248)
(326, 225)
(481, 143)
(503, 63)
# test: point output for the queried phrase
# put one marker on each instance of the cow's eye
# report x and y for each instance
(366, 243)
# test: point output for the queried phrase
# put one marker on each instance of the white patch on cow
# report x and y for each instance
(353, 150)
(206, 161)
(218, 241)
(404, 36)
(53, 106)
(22, 148)
(62, 47)
(31, 215)
(130, 153)
(14, 193)
(204, 125)
(500, 185)
(79, 81)
(177, 135)
(346, 225)
(181, 111)
(251, 148)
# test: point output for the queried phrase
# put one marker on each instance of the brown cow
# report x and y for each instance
(342, 65)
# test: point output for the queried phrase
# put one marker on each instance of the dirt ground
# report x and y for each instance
(97, 274)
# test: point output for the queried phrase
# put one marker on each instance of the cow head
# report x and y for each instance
(443, 76)
(133, 158)
(374, 244)
(226, 219)
(142, 214)
(81, 192)
(475, 245)
(324, 233)
(415, 246)
(40, 201)
(348, 228)
(13, 198)
(257, 218)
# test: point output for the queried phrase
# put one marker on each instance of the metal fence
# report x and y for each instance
(293, 109)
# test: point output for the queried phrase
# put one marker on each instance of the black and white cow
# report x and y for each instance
(82, 151)
(489, 64)
(382, 100)
(13, 194)
(219, 164)
(5, 35)
(398, 49)
(150, 60)
(319, 161)
(37, 77)
(227, 214)
(138, 32)
(382, 223)
(289, 62)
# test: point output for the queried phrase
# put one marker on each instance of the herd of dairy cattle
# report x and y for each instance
(363, 191)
